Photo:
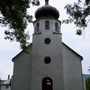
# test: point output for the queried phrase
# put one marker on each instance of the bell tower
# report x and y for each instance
(47, 69)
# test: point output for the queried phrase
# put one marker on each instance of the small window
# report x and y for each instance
(56, 27)
(47, 40)
(37, 28)
(47, 26)
(47, 60)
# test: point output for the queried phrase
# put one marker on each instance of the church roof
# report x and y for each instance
(73, 51)
(23, 51)
(30, 46)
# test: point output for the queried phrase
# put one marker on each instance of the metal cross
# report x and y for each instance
(46, 2)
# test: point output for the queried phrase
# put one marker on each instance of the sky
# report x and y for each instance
(81, 44)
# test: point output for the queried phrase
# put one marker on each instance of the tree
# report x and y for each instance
(78, 13)
(88, 83)
(14, 14)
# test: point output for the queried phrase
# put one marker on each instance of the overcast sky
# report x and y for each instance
(81, 44)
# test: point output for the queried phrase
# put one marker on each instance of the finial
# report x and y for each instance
(46, 2)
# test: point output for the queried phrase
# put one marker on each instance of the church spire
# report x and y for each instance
(46, 2)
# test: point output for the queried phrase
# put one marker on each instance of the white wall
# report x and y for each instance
(22, 72)
(72, 70)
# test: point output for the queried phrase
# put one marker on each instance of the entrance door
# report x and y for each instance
(47, 84)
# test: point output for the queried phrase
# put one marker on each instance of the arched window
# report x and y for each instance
(37, 28)
(56, 27)
(47, 84)
(47, 26)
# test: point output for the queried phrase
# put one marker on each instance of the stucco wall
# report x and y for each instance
(22, 72)
(40, 50)
(64, 69)
(72, 70)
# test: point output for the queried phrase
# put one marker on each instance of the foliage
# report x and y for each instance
(15, 15)
(78, 13)
(88, 83)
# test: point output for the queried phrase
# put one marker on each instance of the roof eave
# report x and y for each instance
(73, 51)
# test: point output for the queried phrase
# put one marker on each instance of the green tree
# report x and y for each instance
(88, 83)
(14, 14)
(78, 13)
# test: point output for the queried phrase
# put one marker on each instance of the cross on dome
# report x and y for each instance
(47, 11)
(46, 2)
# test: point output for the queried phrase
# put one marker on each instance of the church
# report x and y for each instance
(50, 64)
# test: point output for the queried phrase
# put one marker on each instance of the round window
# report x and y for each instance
(47, 40)
(47, 60)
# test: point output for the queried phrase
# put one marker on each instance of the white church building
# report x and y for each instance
(49, 64)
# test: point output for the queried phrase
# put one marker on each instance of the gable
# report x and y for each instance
(30, 47)
(27, 51)
(74, 52)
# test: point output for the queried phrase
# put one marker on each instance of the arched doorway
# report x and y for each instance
(47, 83)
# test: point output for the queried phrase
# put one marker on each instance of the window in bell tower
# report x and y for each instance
(47, 26)
(56, 27)
(37, 29)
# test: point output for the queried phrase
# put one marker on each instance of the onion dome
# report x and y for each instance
(47, 11)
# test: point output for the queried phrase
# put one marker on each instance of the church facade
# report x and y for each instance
(50, 64)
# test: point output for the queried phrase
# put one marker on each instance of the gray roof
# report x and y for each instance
(73, 51)
(23, 51)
